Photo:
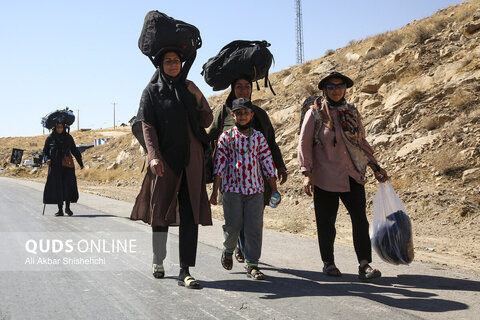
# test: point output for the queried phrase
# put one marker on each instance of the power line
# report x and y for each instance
(299, 31)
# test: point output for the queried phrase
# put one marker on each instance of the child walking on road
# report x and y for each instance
(241, 153)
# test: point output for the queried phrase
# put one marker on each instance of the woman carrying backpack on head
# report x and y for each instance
(242, 88)
(174, 115)
(333, 155)
(61, 185)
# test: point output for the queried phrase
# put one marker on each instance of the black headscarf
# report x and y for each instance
(167, 104)
(231, 95)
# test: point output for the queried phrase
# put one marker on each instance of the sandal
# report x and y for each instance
(254, 273)
(239, 255)
(227, 261)
(367, 272)
(158, 271)
(331, 271)
(189, 282)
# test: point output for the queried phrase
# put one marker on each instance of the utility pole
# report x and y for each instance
(299, 31)
(114, 115)
(78, 120)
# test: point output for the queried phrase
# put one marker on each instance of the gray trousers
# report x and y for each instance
(243, 211)
(159, 245)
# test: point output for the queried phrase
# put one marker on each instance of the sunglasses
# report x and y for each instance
(332, 86)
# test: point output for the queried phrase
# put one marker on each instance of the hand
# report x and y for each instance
(49, 162)
(308, 185)
(157, 167)
(381, 175)
(279, 199)
(282, 174)
(195, 91)
(213, 198)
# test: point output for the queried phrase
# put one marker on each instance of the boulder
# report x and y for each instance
(370, 86)
(112, 166)
(371, 103)
(352, 57)
(289, 80)
(324, 68)
(471, 175)
(448, 51)
(381, 140)
(476, 15)
(373, 85)
(122, 156)
(416, 144)
(472, 27)
(376, 126)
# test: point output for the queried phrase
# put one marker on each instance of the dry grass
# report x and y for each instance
(329, 52)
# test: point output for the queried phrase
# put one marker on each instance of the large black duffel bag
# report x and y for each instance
(238, 58)
(59, 116)
(163, 32)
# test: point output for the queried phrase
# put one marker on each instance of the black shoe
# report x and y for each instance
(59, 213)
(69, 212)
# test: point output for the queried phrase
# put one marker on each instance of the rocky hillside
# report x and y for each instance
(418, 90)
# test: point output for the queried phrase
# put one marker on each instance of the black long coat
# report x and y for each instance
(61, 181)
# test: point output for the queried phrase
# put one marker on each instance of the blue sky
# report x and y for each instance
(84, 54)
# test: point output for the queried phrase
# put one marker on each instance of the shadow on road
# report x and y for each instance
(93, 216)
(401, 292)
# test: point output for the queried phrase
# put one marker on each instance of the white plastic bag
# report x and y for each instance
(391, 232)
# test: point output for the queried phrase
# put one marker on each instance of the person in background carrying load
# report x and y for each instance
(242, 88)
(174, 115)
(333, 155)
(61, 182)
(242, 155)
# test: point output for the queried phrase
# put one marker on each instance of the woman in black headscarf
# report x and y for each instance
(174, 115)
(242, 88)
(61, 181)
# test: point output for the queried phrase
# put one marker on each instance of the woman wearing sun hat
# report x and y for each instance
(333, 155)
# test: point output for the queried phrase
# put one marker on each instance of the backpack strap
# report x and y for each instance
(222, 120)
(269, 85)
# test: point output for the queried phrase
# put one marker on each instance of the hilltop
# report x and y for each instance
(418, 91)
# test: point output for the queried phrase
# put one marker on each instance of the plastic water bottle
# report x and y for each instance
(274, 200)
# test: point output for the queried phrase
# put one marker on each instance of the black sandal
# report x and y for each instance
(254, 273)
(239, 255)
(189, 282)
(331, 272)
(367, 272)
(227, 261)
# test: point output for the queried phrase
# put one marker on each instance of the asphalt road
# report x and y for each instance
(44, 275)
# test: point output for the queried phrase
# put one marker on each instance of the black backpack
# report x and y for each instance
(307, 104)
(163, 32)
(237, 59)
